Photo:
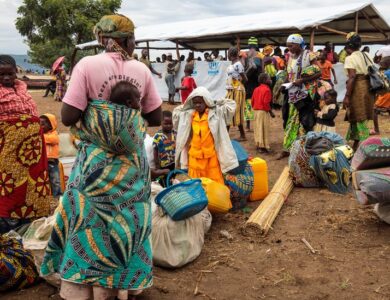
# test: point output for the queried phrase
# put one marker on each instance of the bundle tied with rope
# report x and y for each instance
(263, 217)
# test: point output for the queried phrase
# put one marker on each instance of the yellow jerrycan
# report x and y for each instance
(260, 173)
(218, 196)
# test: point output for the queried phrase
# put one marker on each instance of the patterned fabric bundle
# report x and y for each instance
(333, 168)
(24, 180)
(300, 170)
(241, 186)
(372, 186)
(102, 232)
(17, 267)
(372, 153)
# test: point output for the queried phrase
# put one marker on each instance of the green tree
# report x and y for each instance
(53, 27)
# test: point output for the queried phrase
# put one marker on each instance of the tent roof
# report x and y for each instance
(273, 27)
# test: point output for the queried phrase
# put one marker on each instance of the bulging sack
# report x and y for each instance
(382, 210)
(17, 268)
(177, 243)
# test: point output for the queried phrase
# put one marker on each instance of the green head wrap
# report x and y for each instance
(114, 26)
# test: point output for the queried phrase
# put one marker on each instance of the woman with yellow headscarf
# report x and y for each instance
(100, 243)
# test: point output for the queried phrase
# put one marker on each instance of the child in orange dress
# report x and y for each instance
(203, 144)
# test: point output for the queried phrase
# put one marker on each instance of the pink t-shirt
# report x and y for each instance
(94, 76)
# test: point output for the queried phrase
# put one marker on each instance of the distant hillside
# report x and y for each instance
(23, 62)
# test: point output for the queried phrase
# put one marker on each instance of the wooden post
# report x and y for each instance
(148, 49)
(374, 24)
(238, 43)
(357, 22)
(177, 51)
(326, 28)
(312, 39)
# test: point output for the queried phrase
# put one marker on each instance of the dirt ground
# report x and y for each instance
(351, 262)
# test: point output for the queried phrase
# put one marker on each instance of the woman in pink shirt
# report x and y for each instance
(101, 239)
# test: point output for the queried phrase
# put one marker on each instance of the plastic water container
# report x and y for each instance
(218, 196)
(260, 173)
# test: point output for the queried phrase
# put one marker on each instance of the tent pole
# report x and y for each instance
(238, 42)
(357, 22)
(312, 39)
(148, 49)
(226, 54)
(373, 24)
(326, 28)
(177, 51)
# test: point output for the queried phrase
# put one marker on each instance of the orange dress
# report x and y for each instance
(202, 157)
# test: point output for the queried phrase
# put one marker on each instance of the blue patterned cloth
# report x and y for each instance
(102, 232)
(333, 168)
(240, 185)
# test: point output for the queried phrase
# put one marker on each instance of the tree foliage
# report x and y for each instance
(53, 27)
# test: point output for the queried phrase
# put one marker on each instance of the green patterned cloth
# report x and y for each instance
(293, 128)
(102, 232)
(248, 112)
(358, 131)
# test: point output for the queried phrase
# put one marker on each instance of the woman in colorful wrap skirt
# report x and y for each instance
(100, 244)
(358, 99)
(24, 180)
(301, 118)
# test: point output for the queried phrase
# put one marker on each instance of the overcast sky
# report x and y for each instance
(151, 12)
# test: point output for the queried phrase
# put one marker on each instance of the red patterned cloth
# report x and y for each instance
(24, 181)
(16, 101)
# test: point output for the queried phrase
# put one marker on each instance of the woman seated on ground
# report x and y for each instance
(24, 181)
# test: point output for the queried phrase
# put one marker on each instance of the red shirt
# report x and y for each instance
(261, 98)
(190, 84)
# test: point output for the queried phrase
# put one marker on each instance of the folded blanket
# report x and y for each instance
(372, 153)
(372, 186)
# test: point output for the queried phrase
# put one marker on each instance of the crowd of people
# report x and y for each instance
(101, 242)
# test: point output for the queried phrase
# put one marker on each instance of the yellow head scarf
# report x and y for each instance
(112, 27)
(268, 50)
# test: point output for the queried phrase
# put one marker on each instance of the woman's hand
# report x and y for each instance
(346, 102)
(335, 81)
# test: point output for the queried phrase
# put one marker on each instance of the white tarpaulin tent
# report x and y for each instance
(213, 76)
(329, 23)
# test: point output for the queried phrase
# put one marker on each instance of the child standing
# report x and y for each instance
(188, 83)
(52, 141)
(326, 67)
(261, 103)
(203, 144)
(164, 145)
(328, 112)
